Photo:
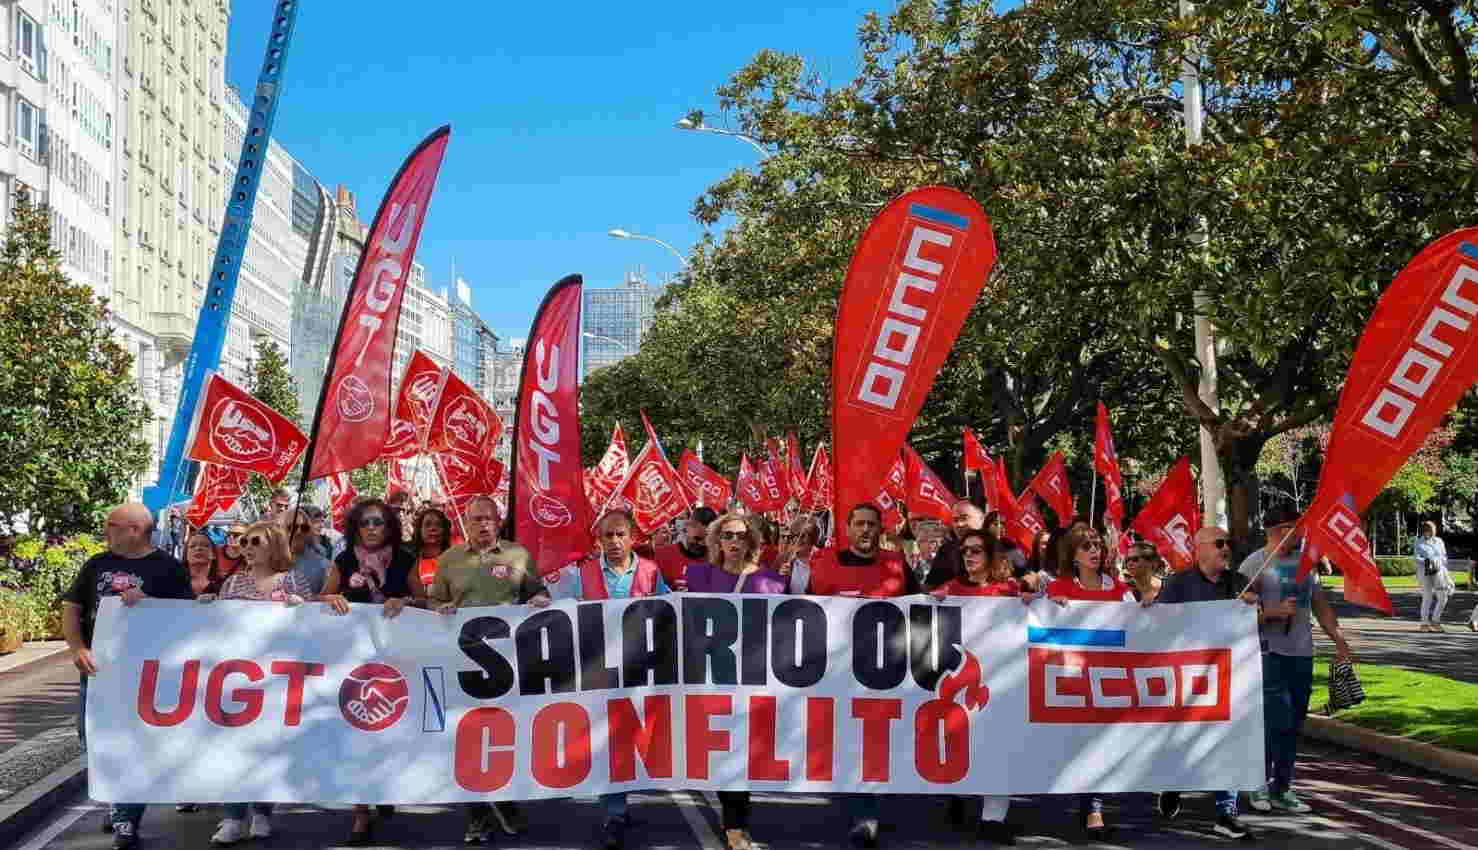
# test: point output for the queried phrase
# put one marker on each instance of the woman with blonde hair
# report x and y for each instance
(1430, 554)
(734, 552)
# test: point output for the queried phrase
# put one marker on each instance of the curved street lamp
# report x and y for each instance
(700, 127)
(625, 234)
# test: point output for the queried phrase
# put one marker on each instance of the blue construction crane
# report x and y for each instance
(215, 308)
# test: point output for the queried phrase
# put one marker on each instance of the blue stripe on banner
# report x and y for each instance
(1076, 637)
(939, 215)
(1469, 249)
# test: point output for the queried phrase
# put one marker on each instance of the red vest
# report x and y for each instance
(1070, 588)
(593, 580)
(884, 577)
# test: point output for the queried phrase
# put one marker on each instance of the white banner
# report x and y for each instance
(254, 701)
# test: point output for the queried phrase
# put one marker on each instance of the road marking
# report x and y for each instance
(58, 826)
(1346, 829)
(699, 824)
(1393, 823)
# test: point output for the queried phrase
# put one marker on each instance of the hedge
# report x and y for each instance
(33, 576)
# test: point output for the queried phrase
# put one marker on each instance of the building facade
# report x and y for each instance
(615, 321)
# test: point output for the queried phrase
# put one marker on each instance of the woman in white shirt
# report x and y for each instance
(1430, 555)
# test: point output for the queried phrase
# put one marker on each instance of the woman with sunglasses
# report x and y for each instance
(228, 557)
(1146, 569)
(433, 536)
(267, 575)
(734, 551)
(1084, 574)
(373, 569)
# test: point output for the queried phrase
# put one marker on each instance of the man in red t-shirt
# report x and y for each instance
(673, 559)
(862, 569)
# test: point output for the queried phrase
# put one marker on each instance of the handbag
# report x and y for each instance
(1345, 690)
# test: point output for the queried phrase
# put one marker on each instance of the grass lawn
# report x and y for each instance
(1420, 706)
(1391, 582)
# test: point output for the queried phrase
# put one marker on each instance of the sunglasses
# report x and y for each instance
(371, 522)
(1132, 558)
(256, 540)
(733, 535)
(972, 550)
(1220, 542)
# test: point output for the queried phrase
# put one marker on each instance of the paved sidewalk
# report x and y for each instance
(1395, 641)
(39, 750)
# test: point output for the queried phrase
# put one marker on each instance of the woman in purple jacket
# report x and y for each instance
(734, 548)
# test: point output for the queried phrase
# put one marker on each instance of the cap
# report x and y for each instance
(1280, 514)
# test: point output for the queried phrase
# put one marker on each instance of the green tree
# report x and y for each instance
(270, 381)
(70, 414)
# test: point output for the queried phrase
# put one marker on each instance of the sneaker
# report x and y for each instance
(229, 832)
(864, 833)
(1290, 803)
(1260, 801)
(1169, 804)
(613, 834)
(477, 829)
(1437, 627)
(125, 835)
(261, 825)
(997, 832)
(1227, 826)
(510, 818)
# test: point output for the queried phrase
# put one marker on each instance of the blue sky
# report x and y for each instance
(561, 120)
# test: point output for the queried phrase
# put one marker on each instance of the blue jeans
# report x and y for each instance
(238, 810)
(118, 812)
(614, 804)
(1286, 683)
(1226, 803)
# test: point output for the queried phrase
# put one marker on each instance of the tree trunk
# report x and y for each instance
(1239, 456)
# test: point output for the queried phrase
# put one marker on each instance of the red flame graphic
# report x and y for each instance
(965, 678)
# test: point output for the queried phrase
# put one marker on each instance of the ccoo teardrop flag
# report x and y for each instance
(914, 276)
(550, 513)
(354, 410)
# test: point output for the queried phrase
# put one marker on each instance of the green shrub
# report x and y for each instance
(1391, 565)
(33, 577)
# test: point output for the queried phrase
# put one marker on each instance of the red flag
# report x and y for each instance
(1022, 525)
(233, 429)
(927, 495)
(915, 274)
(1170, 519)
(463, 422)
(602, 479)
(1106, 464)
(892, 512)
(774, 475)
(818, 481)
(1337, 533)
(653, 489)
(896, 482)
(402, 443)
(341, 495)
(551, 515)
(750, 492)
(702, 482)
(975, 456)
(420, 389)
(353, 417)
(217, 490)
(796, 477)
(395, 480)
(1051, 484)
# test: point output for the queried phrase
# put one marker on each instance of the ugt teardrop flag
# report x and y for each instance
(354, 410)
(549, 511)
(914, 276)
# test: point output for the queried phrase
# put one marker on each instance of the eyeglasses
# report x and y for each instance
(371, 522)
(1132, 558)
(256, 540)
(732, 535)
(972, 550)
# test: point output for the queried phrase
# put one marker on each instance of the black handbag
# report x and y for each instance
(1430, 566)
(1345, 690)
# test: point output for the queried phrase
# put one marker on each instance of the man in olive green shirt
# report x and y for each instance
(486, 571)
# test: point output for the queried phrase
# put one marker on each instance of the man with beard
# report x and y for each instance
(673, 559)
(862, 569)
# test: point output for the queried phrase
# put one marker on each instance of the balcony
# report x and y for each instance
(175, 331)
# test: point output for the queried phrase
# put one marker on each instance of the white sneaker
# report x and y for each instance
(261, 825)
(229, 832)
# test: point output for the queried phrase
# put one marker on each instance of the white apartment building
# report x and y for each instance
(23, 96)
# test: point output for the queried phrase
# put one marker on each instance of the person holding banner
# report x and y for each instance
(1209, 579)
(1285, 623)
(483, 571)
(675, 558)
(1430, 554)
(862, 569)
(133, 568)
(373, 567)
(433, 536)
(1084, 574)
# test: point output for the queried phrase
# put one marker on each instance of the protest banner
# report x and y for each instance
(246, 701)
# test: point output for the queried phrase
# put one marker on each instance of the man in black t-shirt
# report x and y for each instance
(134, 569)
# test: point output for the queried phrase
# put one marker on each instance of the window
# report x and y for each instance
(25, 127)
(29, 34)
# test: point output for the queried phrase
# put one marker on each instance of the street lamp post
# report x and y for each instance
(623, 345)
(625, 234)
(700, 127)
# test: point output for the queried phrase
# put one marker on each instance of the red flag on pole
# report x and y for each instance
(1106, 464)
(1051, 484)
(653, 489)
(354, 411)
(420, 390)
(796, 476)
(1170, 519)
(218, 489)
(818, 481)
(896, 482)
(233, 429)
(702, 482)
(602, 479)
(463, 422)
(774, 475)
(1022, 525)
(927, 495)
(750, 492)
(915, 274)
(1338, 533)
(975, 456)
(401, 444)
(551, 516)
